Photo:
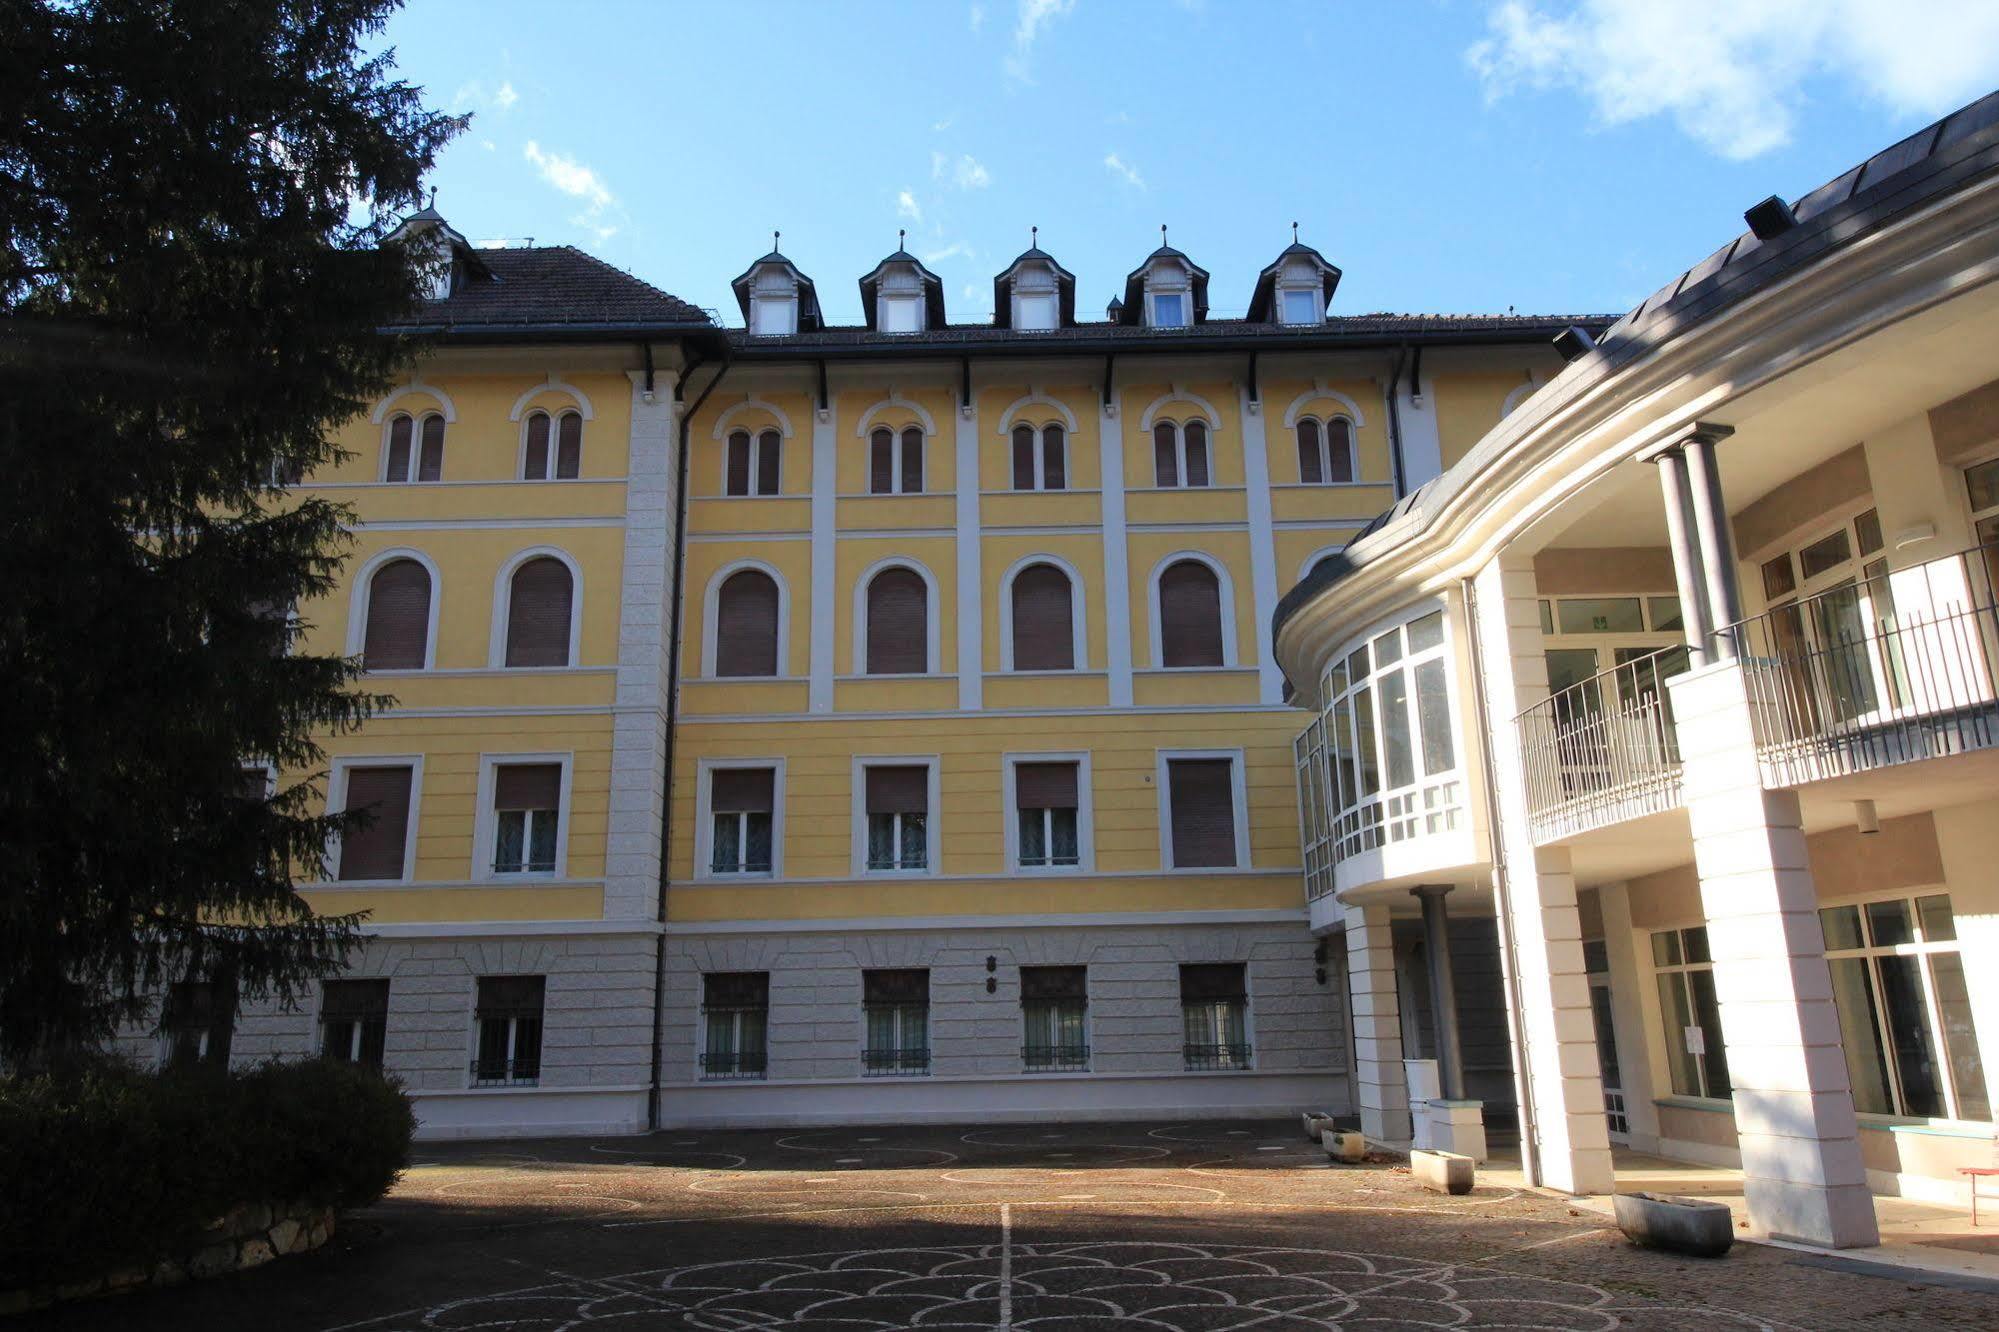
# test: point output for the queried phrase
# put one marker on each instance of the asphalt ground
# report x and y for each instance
(1209, 1225)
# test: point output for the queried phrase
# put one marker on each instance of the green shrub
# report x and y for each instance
(111, 1167)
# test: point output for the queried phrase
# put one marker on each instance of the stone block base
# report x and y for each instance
(1444, 1172)
(1458, 1126)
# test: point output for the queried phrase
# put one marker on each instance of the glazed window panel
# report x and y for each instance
(1691, 1012)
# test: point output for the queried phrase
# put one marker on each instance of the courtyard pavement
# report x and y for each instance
(1210, 1225)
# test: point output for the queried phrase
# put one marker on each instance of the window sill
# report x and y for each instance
(1328, 485)
(1196, 670)
(863, 872)
(738, 876)
(1078, 672)
(757, 679)
(1975, 1130)
(898, 675)
(1711, 1104)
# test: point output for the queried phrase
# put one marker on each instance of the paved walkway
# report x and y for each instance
(1214, 1226)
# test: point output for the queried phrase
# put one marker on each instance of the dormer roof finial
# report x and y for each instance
(1034, 238)
(1294, 233)
(900, 234)
(1162, 235)
(773, 239)
(433, 196)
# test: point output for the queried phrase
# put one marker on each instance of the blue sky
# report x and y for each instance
(1552, 156)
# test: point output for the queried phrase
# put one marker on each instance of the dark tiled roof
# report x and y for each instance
(551, 286)
(1360, 330)
(1928, 165)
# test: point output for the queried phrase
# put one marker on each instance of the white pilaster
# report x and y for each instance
(1422, 445)
(1563, 1078)
(1383, 1091)
(638, 731)
(825, 492)
(1803, 1175)
(971, 591)
(1117, 555)
(1262, 543)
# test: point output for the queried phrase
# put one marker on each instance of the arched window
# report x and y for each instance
(746, 621)
(568, 451)
(424, 462)
(1043, 620)
(539, 602)
(895, 463)
(752, 466)
(1040, 463)
(398, 632)
(1190, 616)
(1325, 450)
(1180, 453)
(898, 625)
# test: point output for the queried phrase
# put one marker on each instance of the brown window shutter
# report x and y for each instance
(912, 461)
(742, 790)
(1309, 470)
(1043, 620)
(895, 987)
(538, 613)
(535, 466)
(430, 466)
(569, 447)
(1054, 459)
(376, 851)
(898, 623)
(527, 786)
(881, 463)
(1209, 982)
(898, 789)
(1047, 984)
(769, 451)
(1165, 460)
(746, 624)
(735, 989)
(398, 468)
(1197, 453)
(354, 999)
(738, 479)
(398, 618)
(1339, 438)
(511, 996)
(1023, 457)
(1202, 801)
(1044, 786)
(1190, 615)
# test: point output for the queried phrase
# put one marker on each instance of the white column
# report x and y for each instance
(1117, 556)
(1383, 1093)
(638, 728)
(1803, 1176)
(825, 492)
(1563, 1080)
(971, 590)
(1422, 445)
(1262, 543)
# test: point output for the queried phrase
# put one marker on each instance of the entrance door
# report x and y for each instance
(1597, 958)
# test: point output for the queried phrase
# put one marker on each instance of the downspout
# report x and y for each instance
(1395, 420)
(672, 710)
(1516, 1024)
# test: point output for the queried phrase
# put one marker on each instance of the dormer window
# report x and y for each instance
(1034, 311)
(1169, 309)
(901, 313)
(1301, 306)
(1035, 294)
(777, 300)
(773, 315)
(1296, 289)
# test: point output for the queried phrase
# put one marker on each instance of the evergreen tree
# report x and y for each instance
(186, 311)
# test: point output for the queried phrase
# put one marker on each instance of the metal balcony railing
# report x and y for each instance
(894, 1061)
(733, 1065)
(1888, 668)
(506, 1072)
(1055, 1058)
(1603, 749)
(1208, 1058)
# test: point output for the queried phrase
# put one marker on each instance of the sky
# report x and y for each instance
(1543, 156)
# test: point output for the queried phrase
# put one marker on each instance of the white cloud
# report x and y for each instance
(977, 16)
(1732, 73)
(906, 206)
(1124, 171)
(970, 174)
(972, 292)
(1034, 16)
(506, 96)
(952, 251)
(578, 182)
(475, 96)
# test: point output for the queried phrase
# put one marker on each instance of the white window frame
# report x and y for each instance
(1238, 795)
(933, 839)
(1248, 1016)
(1313, 293)
(1040, 485)
(415, 460)
(486, 819)
(1046, 303)
(1180, 481)
(354, 1040)
(1326, 449)
(1183, 292)
(889, 305)
(1089, 1022)
(336, 803)
(711, 624)
(503, 609)
(1086, 842)
(1157, 627)
(756, 437)
(704, 819)
(766, 304)
(554, 415)
(932, 630)
(1079, 635)
(895, 434)
(1683, 970)
(513, 1034)
(364, 585)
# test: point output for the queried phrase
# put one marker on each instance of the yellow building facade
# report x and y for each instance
(909, 743)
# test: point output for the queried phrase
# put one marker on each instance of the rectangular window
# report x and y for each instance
(1047, 809)
(775, 316)
(1035, 313)
(735, 1013)
(902, 314)
(741, 803)
(354, 1021)
(1600, 615)
(896, 1008)
(1301, 307)
(1201, 812)
(1054, 1012)
(197, 1023)
(509, 1019)
(1904, 1011)
(527, 808)
(1169, 310)
(1691, 1012)
(1214, 1014)
(377, 847)
(898, 808)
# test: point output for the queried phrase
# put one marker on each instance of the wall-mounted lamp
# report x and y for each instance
(1865, 819)
(992, 965)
